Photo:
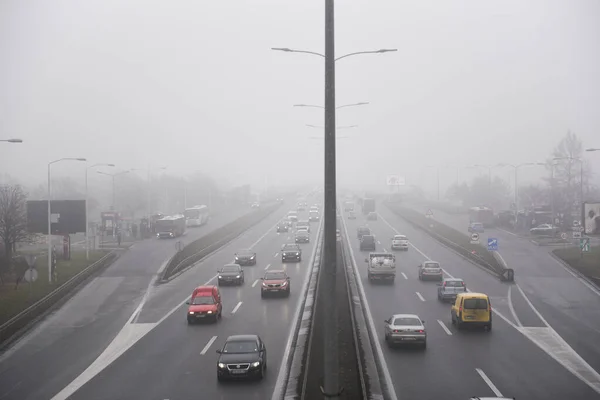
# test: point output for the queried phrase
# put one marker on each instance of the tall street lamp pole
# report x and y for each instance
(50, 213)
(87, 241)
(516, 168)
(331, 390)
(113, 183)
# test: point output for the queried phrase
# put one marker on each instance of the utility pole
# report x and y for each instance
(328, 280)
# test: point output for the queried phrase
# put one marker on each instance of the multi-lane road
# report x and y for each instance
(456, 364)
(56, 352)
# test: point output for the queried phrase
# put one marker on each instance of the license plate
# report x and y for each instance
(409, 338)
(470, 317)
(274, 290)
(200, 316)
(238, 371)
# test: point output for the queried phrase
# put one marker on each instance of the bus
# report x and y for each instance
(170, 227)
(196, 216)
(483, 215)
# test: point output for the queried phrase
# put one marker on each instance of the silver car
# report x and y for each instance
(431, 270)
(405, 329)
(449, 288)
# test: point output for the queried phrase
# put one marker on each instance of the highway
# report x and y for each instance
(457, 365)
(567, 303)
(66, 342)
(159, 356)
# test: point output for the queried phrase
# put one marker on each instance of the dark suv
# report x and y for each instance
(361, 231)
(367, 242)
(291, 251)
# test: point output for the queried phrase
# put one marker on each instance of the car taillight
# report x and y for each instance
(395, 331)
(445, 284)
(463, 283)
(421, 331)
(460, 309)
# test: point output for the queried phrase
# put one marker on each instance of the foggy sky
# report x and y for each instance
(195, 86)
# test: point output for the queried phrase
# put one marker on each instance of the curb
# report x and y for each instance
(592, 285)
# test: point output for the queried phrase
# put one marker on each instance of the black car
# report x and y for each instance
(361, 231)
(282, 227)
(291, 252)
(302, 237)
(231, 274)
(367, 242)
(245, 257)
(242, 357)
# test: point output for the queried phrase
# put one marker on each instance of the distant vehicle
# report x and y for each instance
(400, 242)
(292, 216)
(242, 357)
(170, 227)
(275, 282)
(280, 200)
(205, 304)
(430, 270)
(482, 214)
(291, 251)
(349, 206)
(351, 215)
(367, 242)
(313, 215)
(245, 257)
(231, 274)
(476, 227)
(361, 231)
(282, 227)
(196, 216)
(372, 216)
(255, 205)
(301, 207)
(545, 230)
(449, 288)
(303, 224)
(405, 329)
(381, 266)
(302, 236)
(368, 205)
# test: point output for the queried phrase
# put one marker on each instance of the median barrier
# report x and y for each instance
(200, 248)
(18, 324)
(456, 241)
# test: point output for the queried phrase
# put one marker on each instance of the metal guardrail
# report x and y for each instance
(200, 248)
(22, 320)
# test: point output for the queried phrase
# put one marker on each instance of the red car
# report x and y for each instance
(275, 282)
(205, 304)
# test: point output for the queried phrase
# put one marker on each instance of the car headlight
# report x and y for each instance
(191, 312)
(256, 364)
(283, 284)
(220, 277)
(236, 258)
(264, 284)
(221, 365)
(253, 257)
(209, 312)
(297, 254)
(237, 276)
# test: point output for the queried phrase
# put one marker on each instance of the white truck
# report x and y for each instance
(381, 266)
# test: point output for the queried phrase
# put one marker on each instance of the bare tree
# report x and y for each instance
(13, 218)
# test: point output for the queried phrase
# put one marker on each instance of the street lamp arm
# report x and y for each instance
(308, 105)
(12, 140)
(365, 52)
(592, 149)
(288, 50)
(352, 105)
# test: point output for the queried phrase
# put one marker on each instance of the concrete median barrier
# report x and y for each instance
(456, 241)
(14, 327)
(198, 249)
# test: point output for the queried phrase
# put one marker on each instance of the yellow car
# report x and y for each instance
(472, 309)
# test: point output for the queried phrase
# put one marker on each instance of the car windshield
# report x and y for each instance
(410, 321)
(245, 253)
(368, 238)
(432, 265)
(290, 247)
(272, 276)
(200, 300)
(230, 268)
(475, 304)
(400, 238)
(240, 347)
(454, 283)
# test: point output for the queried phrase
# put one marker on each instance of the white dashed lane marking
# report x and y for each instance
(236, 307)
(210, 342)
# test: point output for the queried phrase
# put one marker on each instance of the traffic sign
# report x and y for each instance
(475, 238)
(584, 244)
(31, 275)
(395, 180)
(576, 235)
(30, 258)
(563, 236)
(429, 213)
(492, 244)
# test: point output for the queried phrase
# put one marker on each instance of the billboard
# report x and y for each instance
(395, 180)
(591, 218)
(68, 216)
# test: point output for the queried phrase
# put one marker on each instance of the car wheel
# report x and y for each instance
(261, 375)
(287, 293)
(489, 327)
(190, 321)
(262, 294)
(424, 345)
(220, 379)
(453, 320)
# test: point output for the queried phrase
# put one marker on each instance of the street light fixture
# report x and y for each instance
(49, 256)
(87, 242)
(12, 140)
(288, 50)
(592, 149)
(337, 108)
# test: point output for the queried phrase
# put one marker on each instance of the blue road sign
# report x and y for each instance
(492, 244)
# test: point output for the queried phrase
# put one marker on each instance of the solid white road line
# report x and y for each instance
(444, 327)
(532, 307)
(378, 242)
(267, 267)
(489, 382)
(420, 296)
(384, 250)
(276, 254)
(404, 275)
(255, 282)
(210, 342)
(236, 307)
(512, 308)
